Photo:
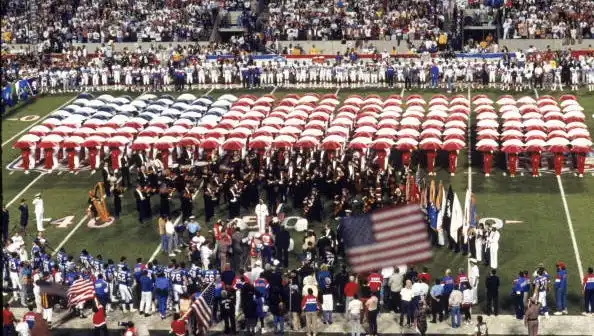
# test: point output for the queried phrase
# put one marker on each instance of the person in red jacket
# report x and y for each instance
(350, 289)
(425, 276)
(99, 321)
(375, 281)
(178, 325)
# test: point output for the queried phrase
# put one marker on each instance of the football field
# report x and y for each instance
(550, 218)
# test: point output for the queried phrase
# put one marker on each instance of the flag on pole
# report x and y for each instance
(467, 214)
(202, 306)
(447, 211)
(387, 237)
(457, 219)
(440, 205)
(81, 291)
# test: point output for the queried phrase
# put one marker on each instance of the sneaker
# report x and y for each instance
(565, 312)
(558, 313)
(585, 314)
(172, 254)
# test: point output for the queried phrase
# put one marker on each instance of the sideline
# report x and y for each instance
(36, 122)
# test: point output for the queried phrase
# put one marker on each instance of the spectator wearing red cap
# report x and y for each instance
(561, 289)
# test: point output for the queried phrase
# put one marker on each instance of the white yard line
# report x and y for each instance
(78, 225)
(402, 93)
(274, 89)
(35, 123)
(469, 145)
(18, 196)
(578, 259)
(208, 92)
(337, 91)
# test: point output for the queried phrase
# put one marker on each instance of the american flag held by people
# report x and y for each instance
(81, 291)
(387, 237)
(202, 306)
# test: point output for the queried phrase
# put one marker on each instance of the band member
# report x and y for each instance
(210, 200)
(234, 208)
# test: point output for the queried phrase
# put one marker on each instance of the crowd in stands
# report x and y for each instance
(356, 20)
(542, 19)
(57, 23)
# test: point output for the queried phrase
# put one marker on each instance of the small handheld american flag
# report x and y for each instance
(81, 290)
(202, 306)
(388, 237)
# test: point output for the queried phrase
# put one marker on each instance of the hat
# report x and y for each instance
(560, 264)
(192, 217)
(38, 195)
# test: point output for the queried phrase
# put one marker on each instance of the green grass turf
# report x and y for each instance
(542, 237)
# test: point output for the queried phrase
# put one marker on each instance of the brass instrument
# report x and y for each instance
(97, 195)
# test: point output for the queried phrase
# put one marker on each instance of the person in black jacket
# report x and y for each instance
(228, 311)
(24, 209)
(248, 305)
(492, 284)
(283, 240)
(5, 223)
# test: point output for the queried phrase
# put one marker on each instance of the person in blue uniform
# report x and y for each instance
(162, 287)
(560, 286)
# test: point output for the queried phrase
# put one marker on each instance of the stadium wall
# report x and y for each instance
(332, 47)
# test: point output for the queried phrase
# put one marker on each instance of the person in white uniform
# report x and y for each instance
(493, 246)
(261, 214)
(473, 277)
(38, 204)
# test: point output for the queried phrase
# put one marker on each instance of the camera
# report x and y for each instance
(126, 324)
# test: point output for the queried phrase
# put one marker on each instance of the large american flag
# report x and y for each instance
(81, 290)
(202, 306)
(388, 237)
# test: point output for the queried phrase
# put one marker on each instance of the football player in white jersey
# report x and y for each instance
(528, 71)
(117, 73)
(189, 75)
(302, 74)
(104, 77)
(399, 74)
(128, 77)
(381, 72)
(506, 77)
(374, 74)
(557, 78)
(95, 76)
(340, 74)
(590, 76)
(575, 74)
(469, 76)
(201, 75)
(272, 71)
(492, 74)
(353, 70)
(228, 74)
(312, 74)
(146, 77)
(214, 75)
(280, 80)
(363, 74)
